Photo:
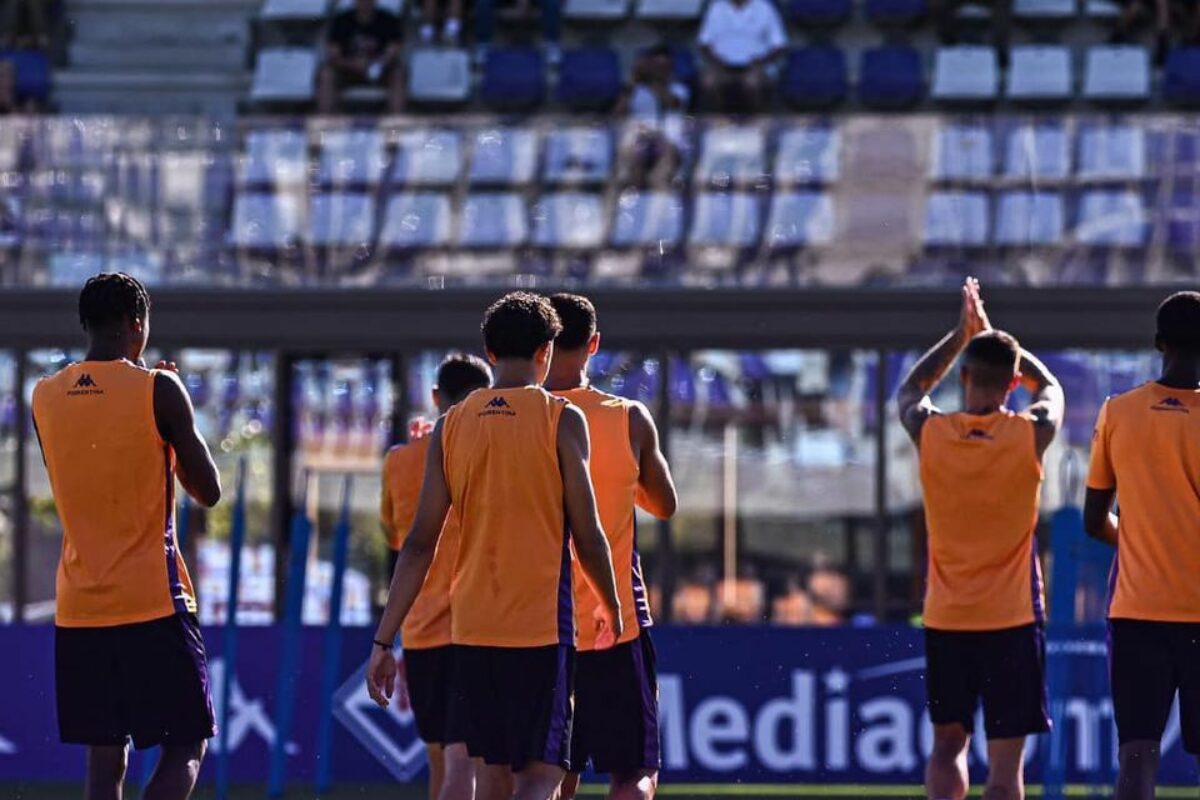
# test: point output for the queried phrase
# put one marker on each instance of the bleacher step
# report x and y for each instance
(123, 92)
(213, 57)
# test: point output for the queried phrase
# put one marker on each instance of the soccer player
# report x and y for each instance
(981, 470)
(129, 659)
(616, 691)
(426, 631)
(513, 462)
(1146, 453)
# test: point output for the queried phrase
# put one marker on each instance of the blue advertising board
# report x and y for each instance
(739, 704)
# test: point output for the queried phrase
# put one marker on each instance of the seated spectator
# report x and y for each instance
(451, 22)
(950, 25)
(830, 591)
(743, 600)
(739, 40)
(654, 102)
(794, 607)
(363, 49)
(692, 603)
(23, 24)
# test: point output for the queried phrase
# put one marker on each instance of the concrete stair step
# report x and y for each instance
(216, 57)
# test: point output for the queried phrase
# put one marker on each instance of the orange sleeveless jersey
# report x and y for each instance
(615, 474)
(428, 621)
(1147, 447)
(113, 480)
(982, 481)
(512, 579)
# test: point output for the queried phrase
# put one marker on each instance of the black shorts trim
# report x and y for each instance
(1005, 669)
(155, 685)
(429, 674)
(513, 705)
(1149, 664)
(616, 709)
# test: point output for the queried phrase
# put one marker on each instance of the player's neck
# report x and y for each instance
(513, 374)
(1180, 373)
(566, 376)
(107, 350)
(982, 405)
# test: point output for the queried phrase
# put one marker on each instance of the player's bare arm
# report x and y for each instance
(914, 402)
(412, 566)
(1098, 518)
(176, 421)
(591, 545)
(1049, 402)
(656, 488)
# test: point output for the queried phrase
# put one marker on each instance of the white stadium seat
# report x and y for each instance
(1037, 152)
(439, 75)
(1113, 218)
(1029, 219)
(284, 75)
(956, 219)
(962, 153)
(645, 219)
(416, 219)
(966, 73)
(427, 157)
(493, 219)
(1117, 73)
(808, 155)
(569, 220)
(1111, 153)
(1040, 73)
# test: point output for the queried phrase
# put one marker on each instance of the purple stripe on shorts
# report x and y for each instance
(651, 750)
(1035, 582)
(640, 604)
(175, 585)
(560, 728)
(195, 646)
(1112, 580)
(566, 600)
(1039, 635)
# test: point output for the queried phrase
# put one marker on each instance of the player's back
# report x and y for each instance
(614, 471)
(1150, 438)
(982, 477)
(113, 480)
(512, 583)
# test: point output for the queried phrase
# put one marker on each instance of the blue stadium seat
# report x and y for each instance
(1117, 74)
(1040, 73)
(814, 77)
(808, 155)
(493, 220)
(1029, 219)
(506, 156)
(416, 220)
(578, 155)
(439, 75)
(589, 78)
(265, 220)
(962, 153)
(800, 219)
(569, 220)
(1044, 10)
(819, 13)
(726, 219)
(353, 157)
(1037, 152)
(1182, 219)
(1181, 76)
(341, 219)
(891, 76)
(647, 219)
(1115, 218)
(514, 79)
(686, 70)
(429, 157)
(670, 10)
(1112, 153)
(895, 12)
(956, 219)
(33, 73)
(732, 155)
(966, 73)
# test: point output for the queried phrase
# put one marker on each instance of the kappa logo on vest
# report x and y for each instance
(84, 385)
(497, 407)
(1171, 404)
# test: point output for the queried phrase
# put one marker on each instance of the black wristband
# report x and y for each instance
(382, 645)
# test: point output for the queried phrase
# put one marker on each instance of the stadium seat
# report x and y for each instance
(1030, 219)
(589, 79)
(1115, 218)
(800, 219)
(814, 76)
(962, 153)
(1044, 10)
(429, 157)
(819, 13)
(1112, 153)
(726, 219)
(1037, 153)
(895, 12)
(569, 220)
(891, 77)
(284, 75)
(32, 74)
(504, 156)
(808, 155)
(1117, 73)
(670, 10)
(731, 156)
(439, 75)
(394, 6)
(1040, 73)
(956, 219)
(294, 10)
(1102, 9)
(277, 157)
(416, 220)
(353, 157)
(514, 79)
(341, 219)
(966, 73)
(601, 10)
(493, 220)
(578, 155)
(266, 221)
(1181, 77)
(647, 219)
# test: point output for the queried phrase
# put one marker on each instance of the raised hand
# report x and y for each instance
(973, 318)
(419, 428)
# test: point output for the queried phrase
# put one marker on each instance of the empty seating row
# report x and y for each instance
(1107, 218)
(1042, 152)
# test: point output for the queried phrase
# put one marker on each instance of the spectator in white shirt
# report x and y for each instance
(739, 40)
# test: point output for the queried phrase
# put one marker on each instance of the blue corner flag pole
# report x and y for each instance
(289, 657)
(237, 538)
(333, 642)
(1066, 531)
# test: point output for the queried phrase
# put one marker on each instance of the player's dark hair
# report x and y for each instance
(519, 324)
(112, 297)
(460, 374)
(1179, 322)
(993, 359)
(578, 317)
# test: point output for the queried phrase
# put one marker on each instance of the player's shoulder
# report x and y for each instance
(1124, 402)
